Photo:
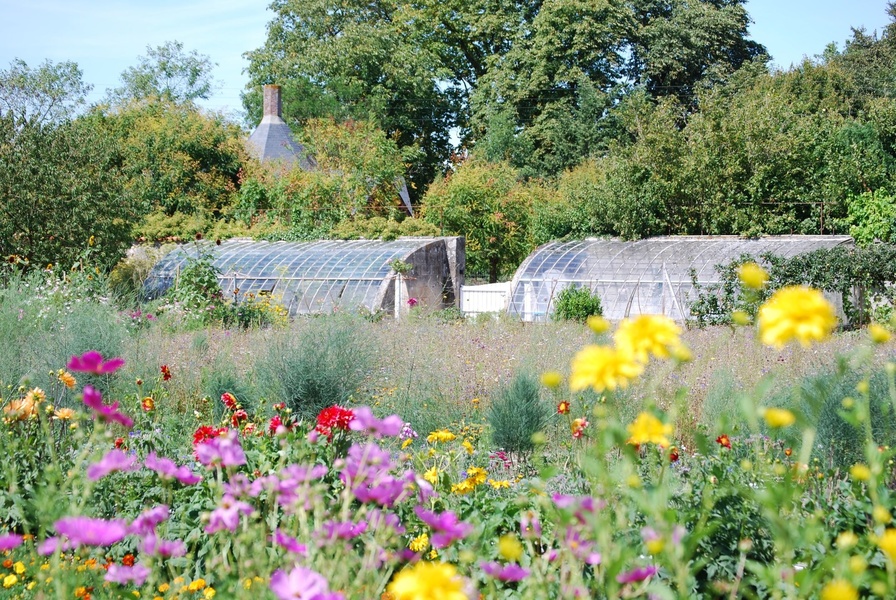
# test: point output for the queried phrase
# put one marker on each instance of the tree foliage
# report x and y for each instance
(168, 73)
(51, 93)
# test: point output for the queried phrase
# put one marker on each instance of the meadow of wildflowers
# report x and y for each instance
(101, 499)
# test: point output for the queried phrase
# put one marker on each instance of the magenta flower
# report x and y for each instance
(91, 532)
(511, 572)
(165, 548)
(637, 574)
(114, 460)
(227, 516)
(8, 541)
(530, 525)
(412, 302)
(53, 544)
(302, 584)
(364, 420)
(290, 544)
(92, 362)
(146, 522)
(445, 526)
(167, 469)
(94, 400)
(223, 450)
(343, 530)
(126, 575)
(582, 548)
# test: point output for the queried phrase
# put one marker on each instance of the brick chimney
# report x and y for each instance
(273, 108)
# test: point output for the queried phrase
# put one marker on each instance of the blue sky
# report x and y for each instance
(105, 37)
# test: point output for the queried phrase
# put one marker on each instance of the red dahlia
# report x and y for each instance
(333, 417)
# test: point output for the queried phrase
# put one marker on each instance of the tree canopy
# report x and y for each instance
(166, 72)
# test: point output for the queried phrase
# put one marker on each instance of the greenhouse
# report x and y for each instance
(649, 276)
(328, 275)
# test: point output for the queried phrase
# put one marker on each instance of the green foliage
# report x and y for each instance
(576, 304)
(222, 376)
(516, 413)
(168, 73)
(60, 191)
(483, 202)
(873, 218)
(321, 367)
(381, 228)
(51, 93)
(196, 286)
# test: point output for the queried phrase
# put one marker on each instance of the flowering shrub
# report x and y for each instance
(351, 504)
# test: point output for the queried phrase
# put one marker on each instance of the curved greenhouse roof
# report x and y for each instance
(321, 276)
(649, 276)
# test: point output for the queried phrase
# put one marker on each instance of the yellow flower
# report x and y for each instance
(839, 589)
(509, 547)
(847, 540)
(879, 334)
(648, 334)
(419, 543)
(468, 446)
(196, 585)
(464, 487)
(551, 379)
(655, 546)
(887, 543)
(165, 587)
(881, 515)
(209, 593)
(603, 368)
(63, 414)
(647, 429)
(35, 395)
(598, 324)
(740, 317)
(9, 581)
(67, 379)
(19, 568)
(499, 483)
(796, 313)
(442, 435)
(477, 475)
(752, 275)
(407, 443)
(431, 475)
(860, 472)
(428, 581)
(778, 417)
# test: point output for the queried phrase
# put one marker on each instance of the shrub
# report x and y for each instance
(576, 304)
(320, 368)
(517, 412)
(221, 376)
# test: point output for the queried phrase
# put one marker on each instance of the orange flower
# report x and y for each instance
(563, 407)
(148, 404)
(128, 560)
(578, 427)
(724, 441)
(67, 379)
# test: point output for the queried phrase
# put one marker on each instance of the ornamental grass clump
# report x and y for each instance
(517, 412)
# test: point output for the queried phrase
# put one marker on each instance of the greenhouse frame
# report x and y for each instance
(648, 276)
(328, 275)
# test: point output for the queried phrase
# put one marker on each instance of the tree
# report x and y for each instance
(483, 202)
(60, 191)
(169, 73)
(50, 93)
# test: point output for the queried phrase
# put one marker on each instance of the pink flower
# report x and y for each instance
(223, 450)
(94, 400)
(364, 420)
(227, 516)
(9, 541)
(289, 543)
(302, 584)
(92, 362)
(511, 572)
(91, 532)
(114, 460)
(146, 522)
(343, 530)
(445, 526)
(167, 469)
(165, 548)
(637, 574)
(125, 575)
(412, 302)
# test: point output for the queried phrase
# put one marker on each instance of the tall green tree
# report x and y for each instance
(166, 72)
(50, 93)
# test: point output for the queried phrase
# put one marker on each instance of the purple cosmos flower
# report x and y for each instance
(407, 432)
(53, 544)
(227, 516)
(165, 548)
(379, 519)
(125, 575)
(511, 572)
(385, 490)
(223, 450)
(637, 574)
(94, 400)
(581, 548)
(530, 525)
(92, 362)
(8, 541)
(365, 421)
(114, 460)
(290, 544)
(146, 522)
(91, 532)
(446, 526)
(302, 584)
(343, 530)
(168, 469)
